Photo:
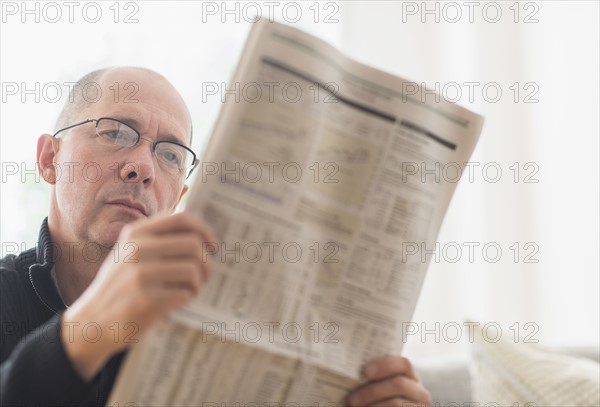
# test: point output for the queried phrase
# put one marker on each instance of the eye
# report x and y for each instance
(170, 155)
(114, 132)
(116, 135)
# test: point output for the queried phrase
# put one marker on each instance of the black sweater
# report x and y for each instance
(35, 370)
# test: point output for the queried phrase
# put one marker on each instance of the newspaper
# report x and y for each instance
(322, 180)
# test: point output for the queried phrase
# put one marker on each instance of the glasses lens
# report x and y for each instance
(175, 156)
(116, 133)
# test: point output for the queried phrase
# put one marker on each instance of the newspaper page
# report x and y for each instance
(323, 180)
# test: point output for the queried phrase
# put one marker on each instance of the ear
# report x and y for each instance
(47, 148)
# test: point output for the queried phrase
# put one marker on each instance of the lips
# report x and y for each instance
(131, 204)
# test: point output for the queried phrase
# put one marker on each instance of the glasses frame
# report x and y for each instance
(195, 161)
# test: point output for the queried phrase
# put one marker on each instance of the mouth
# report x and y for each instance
(130, 206)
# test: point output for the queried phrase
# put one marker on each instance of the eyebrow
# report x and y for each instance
(135, 123)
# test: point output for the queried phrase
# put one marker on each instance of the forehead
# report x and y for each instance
(142, 99)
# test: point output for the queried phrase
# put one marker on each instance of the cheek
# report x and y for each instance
(72, 192)
(78, 179)
(169, 197)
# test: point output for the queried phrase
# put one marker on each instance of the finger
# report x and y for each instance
(185, 244)
(399, 402)
(210, 233)
(167, 300)
(185, 247)
(181, 222)
(175, 275)
(388, 366)
(390, 388)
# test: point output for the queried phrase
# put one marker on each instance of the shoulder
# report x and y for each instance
(11, 265)
(14, 274)
(19, 311)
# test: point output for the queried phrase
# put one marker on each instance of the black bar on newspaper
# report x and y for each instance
(385, 116)
(429, 134)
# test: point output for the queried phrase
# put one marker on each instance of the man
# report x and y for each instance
(147, 261)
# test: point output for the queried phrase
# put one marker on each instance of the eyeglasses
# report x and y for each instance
(176, 157)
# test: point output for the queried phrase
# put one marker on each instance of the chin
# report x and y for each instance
(109, 235)
(106, 230)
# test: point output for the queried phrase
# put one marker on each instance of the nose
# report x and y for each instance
(139, 165)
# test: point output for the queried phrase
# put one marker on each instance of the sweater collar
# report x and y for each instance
(40, 272)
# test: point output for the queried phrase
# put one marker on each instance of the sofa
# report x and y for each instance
(452, 380)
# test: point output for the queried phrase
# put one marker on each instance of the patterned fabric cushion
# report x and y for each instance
(506, 373)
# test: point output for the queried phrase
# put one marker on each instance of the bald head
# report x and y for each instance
(117, 83)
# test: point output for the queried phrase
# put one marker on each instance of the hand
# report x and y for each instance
(163, 270)
(392, 381)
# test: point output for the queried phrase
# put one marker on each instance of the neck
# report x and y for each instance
(75, 271)
(77, 261)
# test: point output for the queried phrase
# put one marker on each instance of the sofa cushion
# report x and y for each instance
(507, 372)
